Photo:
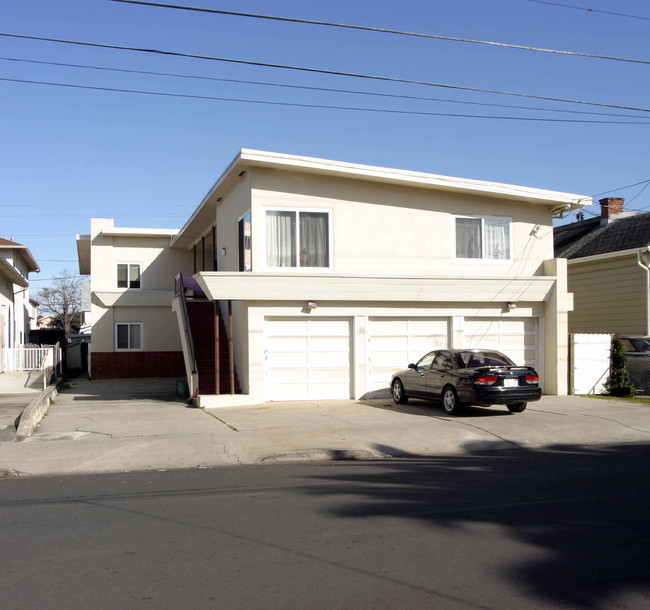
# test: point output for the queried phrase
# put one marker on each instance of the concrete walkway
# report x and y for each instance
(123, 425)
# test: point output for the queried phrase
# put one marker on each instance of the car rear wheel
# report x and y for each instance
(450, 401)
(516, 407)
(399, 396)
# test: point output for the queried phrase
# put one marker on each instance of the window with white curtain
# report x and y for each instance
(297, 239)
(486, 238)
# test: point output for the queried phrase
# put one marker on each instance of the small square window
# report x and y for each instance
(128, 275)
(128, 336)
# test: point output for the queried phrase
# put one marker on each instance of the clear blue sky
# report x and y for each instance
(70, 154)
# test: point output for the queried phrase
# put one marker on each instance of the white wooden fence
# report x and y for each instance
(28, 358)
(589, 363)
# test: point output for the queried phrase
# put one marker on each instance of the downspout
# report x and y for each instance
(643, 260)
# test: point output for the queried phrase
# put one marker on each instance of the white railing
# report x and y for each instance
(30, 358)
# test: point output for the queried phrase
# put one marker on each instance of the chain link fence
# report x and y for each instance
(639, 367)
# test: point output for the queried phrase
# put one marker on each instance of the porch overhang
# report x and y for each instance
(283, 287)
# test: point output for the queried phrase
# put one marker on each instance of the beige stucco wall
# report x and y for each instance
(233, 205)
(610, 296)
(151, 305)
(381, 228)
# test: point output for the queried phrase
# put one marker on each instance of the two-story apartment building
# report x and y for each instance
(319, 278)
(16, 308)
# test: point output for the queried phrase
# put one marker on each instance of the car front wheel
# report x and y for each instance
(516, 407)
(399, 396)
(450, 401)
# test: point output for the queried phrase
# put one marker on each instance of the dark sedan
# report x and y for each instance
(467, 376)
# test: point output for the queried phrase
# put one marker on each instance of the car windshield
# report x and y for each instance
(473, 360)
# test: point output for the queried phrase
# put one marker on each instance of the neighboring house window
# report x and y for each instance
(244, 232)
(485, 238)
(297, 239)
(128, 275)
(128, 336)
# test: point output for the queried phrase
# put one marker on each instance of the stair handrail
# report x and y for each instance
(179, 289)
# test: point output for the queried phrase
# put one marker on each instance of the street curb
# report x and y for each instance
(34, 412)
(324, 455)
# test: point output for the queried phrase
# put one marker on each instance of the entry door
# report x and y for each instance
(307, 359)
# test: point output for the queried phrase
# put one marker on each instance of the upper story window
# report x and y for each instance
(486, 238)
(128, 275)
(298, 239)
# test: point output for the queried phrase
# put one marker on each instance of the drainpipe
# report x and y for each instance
(643, 260)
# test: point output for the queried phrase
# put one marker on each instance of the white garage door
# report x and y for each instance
(394, 342)
(517, 338)
(306, 359)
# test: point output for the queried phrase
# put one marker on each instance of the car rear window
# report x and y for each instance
(473, 360)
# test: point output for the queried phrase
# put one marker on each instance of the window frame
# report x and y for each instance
(128, 274)
(297, 212)
(241, 254)
(482, 260)
(129, 325)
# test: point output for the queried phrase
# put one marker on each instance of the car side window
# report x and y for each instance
(443, 360)
(426, 361)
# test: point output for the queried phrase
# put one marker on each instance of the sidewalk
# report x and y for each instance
(123, 425)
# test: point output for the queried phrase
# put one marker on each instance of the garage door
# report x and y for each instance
(306, 359)
(517, 338)
(394, 342)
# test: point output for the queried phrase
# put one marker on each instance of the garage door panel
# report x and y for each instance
(287, 343)
(393, 343)
(307, 359)
(517, 338)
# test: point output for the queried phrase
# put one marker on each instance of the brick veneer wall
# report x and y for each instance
(118, 365)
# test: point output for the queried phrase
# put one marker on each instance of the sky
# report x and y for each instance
(102, 141)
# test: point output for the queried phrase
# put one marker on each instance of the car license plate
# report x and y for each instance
(510, 383)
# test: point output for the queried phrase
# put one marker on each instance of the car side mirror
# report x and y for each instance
(412, 366)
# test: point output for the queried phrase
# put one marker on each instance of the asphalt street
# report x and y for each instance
(523, 528)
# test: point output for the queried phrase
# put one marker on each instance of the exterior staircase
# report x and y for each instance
(211, 349)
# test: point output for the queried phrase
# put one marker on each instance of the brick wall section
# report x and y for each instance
(119, 365)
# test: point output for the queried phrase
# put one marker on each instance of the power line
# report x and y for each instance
(305, 87)
(379, 30)
(589, 10)
(323, 106)
(317, 71)
(620, 188)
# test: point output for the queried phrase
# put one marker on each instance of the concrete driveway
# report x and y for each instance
(122, 425)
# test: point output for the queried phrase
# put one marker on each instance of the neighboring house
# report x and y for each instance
(45, 322)
(608, 261)
(33, 314)
(310, 279)
(16, 262)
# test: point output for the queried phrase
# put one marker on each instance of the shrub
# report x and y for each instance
(619, 382)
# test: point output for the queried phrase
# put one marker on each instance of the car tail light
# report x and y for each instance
(532, 378)
(486, 380)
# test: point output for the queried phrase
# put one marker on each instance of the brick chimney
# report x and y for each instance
(611, 207)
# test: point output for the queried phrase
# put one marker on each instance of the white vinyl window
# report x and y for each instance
(485, 238)
(128, 275)
(298, 239)
(128, 336)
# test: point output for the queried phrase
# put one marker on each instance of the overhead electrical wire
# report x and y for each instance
(379, 30)
(589, 10)
(311, 88)
(318, 71)
(321, 106)
(620, 188)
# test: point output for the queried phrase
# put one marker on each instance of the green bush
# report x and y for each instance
(619, 382)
